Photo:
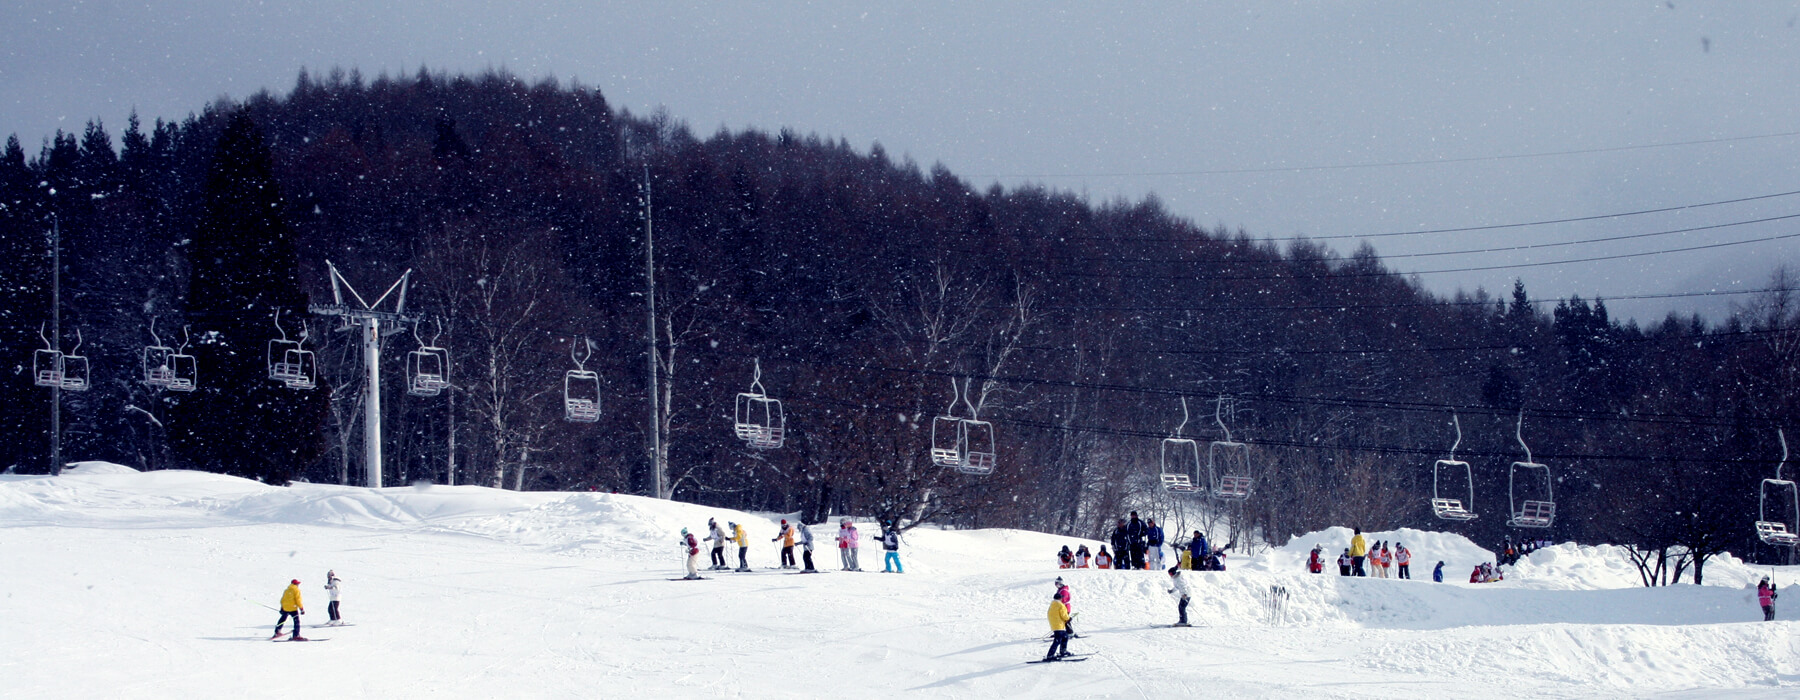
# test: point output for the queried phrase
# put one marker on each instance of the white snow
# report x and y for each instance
(159, 584)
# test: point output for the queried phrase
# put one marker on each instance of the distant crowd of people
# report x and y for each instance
(1138, 544)
(1510, 553)
(849, 542)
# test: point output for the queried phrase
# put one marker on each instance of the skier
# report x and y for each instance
(1383, 559)
(806, 548)
(1314, 562)
(1475, 576)
(692, 547)
(1437, 574)
(1103, 560)
(1082, 556)
(1765, 596)
(1063, 594)
(1404, 559)
(743, 542)
(1059, 629)
(787, 544)
(1121, 539)
(334, 586)
(1197, 551)
(1358, 549)
(1153, 537)
(291, 606)
(1344, 563)
(847, 544)
(1179, 589)
(890, 543)
(1134, 533)
(1065, 559)
(717, 536)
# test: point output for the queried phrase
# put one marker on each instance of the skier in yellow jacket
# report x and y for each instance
(291, 605)
(743, 542)
(1059, 629)
(1358, 549)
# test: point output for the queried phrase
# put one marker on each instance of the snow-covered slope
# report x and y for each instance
(159, 585)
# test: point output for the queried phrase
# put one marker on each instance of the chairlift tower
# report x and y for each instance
(369, 323)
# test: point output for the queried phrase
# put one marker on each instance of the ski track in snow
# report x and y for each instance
(160, 584)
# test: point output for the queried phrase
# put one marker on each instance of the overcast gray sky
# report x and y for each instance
(1283, 118)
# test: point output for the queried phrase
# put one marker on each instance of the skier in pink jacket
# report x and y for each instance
(1765, 596)
(847, 544)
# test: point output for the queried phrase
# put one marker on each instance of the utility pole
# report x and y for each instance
(656, 466)
(56, 463)
(369, 321)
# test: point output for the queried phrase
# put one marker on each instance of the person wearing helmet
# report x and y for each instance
(1178, 587)
(1153, 541)
(1765, 596)
(1059, 629)
(743, 542)
(847, 544)
(291, 606)
(1063, 594)
(692, 547)
(716, 535)
(890, 543)
(1315, 563)
(334, 587)
(1437, 574)
(806, 546)
(1403, 558)
(787, 544)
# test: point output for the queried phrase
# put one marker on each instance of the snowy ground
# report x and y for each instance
(120, 584)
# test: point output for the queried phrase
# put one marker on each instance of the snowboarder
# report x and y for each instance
(743, 542)
(1359, 548)
(1063, 594)
(692, 547)
(1403, 557)
(1103, 560)
(1765, 596)
(291, 606)
(890, 543)
(1344, 563)
(1315, 562)
(1437, 574)
(1153, 537)
(1197, 551)
(1178, 587)
(1059, 629)
(716, 535)
(806, 548)
(1082, 557)
(333, 586)
(1065, 559)
(1132, 558)
(787, 544)
(847, 544)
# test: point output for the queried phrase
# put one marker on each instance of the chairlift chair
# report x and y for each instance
(581, 389)
(757, 419)
(1228, 463)
(427, 368)
(282, 367)
(60, 370)
(159, 369)
(977, 442)
(47, 368)
(1180, 459)
(1772, 531)
(184, 373)
(303, 369)
(1529, 513)
(947, 436)
(1452, 508)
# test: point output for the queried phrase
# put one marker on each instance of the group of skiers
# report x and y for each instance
(1510, 553)
(1062, 616)
(293, 606)
(849, 542)
(1380, 558)
(1138, 544)
(1487, 572)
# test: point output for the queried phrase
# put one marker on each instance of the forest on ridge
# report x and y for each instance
(863, 285)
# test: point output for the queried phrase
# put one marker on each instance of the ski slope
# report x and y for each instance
(159, 584)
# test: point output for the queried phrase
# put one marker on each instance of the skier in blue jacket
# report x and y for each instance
(1197, 551)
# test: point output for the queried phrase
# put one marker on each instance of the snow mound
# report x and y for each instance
(91, 468)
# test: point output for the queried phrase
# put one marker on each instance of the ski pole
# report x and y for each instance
(266, 606)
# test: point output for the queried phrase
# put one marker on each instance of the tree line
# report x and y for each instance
(863, 284)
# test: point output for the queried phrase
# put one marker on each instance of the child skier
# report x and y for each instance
(334, 587)
(1314, 562)
(1179, 589)
(806, 545)
(743, 542)
(787, 544)
(1103, 560)
(1765, 596)
(1437, 574)
(291, 606)
(1065, 559)
(716, 535)
(890, 543)
(1082, 557)
(1063, 594)
(1403, 557)
(1344, 563)
(1059, 630)
(692, 547)
(847, 544)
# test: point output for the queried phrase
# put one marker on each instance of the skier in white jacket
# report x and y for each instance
(335, 587)
(806, 544)
(1179, 589)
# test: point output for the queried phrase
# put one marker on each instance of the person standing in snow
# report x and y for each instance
(1178, 587)
(1404, 559)
(1121, 539)
(716, 535)
(692, 547)
(848, 545)
(1065, 559)
(1135, 534)
(1059, 630)
(806, 548)
(1384, 560)
(1359, 548)
(743, 542)
(1103, 560)
(787, 544)
(1315, 562)
(1153, 537)
(1344, 563)
(1197, 551)
(334, 587)
(1437, 574)
(1475, 576)
(291, 606)
(1082, 556)
(1765, 596)
(890, 543)
(1067, 598)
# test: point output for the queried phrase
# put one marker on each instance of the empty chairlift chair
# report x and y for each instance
(1180, 459)
(159, 365)
(427, 368)
(757, 419)
(581, 389)
(47, 364)
(1530, 512)
(1441, 505)
(947, 434)
(1784, 532)
(1228, 463)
